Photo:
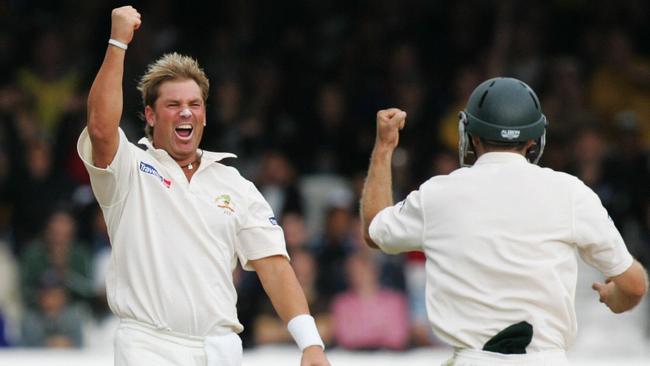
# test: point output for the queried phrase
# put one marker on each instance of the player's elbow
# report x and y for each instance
(369, 242)
(638, 289)
(635, 281)
(97, 130)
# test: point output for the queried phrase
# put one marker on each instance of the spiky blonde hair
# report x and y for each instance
(171, 66)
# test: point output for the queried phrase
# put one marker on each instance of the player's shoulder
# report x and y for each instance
(557, 175)
(226, 170)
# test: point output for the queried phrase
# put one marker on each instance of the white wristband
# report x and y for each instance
(118, 44)
(304, 332)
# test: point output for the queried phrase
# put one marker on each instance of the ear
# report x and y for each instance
(150, 116)
(476, 141)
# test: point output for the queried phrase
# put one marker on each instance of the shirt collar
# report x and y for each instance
(207, 155)
(500, 157)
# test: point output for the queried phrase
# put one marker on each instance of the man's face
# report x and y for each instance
(178, 118)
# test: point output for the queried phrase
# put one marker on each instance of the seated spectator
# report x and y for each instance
(55, 322)
(331, 249)
(59, 252)
(368, 316)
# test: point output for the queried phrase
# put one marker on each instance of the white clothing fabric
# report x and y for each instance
(139, 344)
(470, 357)
(500, 240)
(175, 243)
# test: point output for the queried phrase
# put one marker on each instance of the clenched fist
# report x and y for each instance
(389, 122)
(124, 21)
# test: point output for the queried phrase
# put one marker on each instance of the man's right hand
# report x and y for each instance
(124, 21)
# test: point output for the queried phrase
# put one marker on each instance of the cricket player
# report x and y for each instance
(178, 220)
(500, 236)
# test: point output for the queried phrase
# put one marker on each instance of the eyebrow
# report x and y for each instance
(176, 100)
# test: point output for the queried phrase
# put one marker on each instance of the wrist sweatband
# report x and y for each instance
(304, 332)
(118, 44)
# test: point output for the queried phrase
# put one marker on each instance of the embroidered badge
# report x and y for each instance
(224, 201)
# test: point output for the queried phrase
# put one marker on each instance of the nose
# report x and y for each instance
(185, 113)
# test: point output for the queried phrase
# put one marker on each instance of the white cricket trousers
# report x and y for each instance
(139, 344)
(470, 357)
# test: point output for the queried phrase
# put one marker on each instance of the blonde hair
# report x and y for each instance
(171, 66)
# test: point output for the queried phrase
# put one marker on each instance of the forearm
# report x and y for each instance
(105, 97)
(282, 287)
(378, 188)
(625, 291)
(630, 287)
(105, 106)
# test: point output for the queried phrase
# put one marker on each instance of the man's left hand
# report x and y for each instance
(314, 356)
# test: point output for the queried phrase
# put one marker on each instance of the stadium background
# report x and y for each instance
(295, 87)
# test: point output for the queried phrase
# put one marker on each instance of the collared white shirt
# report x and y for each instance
(175, 243)
(500, 240)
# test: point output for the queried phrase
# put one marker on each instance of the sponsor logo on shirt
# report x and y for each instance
(224, 201)
(148, 169)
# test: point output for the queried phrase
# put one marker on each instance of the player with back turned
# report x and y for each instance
(500, 236)
(178, 220)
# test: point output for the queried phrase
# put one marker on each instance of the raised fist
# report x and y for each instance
(389, 122)
(124, 21)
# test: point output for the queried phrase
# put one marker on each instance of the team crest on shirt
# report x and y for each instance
(225, 202)
(148, 169)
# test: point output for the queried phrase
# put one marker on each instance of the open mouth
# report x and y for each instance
(184, 131)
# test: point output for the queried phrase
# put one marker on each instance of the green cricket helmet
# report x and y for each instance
(503, 111)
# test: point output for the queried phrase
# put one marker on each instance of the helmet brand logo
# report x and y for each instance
(510, 134)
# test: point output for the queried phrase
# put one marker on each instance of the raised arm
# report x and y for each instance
(623, 292)
(105, 97)
(378, 188)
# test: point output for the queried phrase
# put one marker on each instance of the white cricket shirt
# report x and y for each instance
(175, 243)
(500, 240)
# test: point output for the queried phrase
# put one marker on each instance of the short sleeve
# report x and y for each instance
(260, 235)
(399, 228)
(111, 184)
(599, 242)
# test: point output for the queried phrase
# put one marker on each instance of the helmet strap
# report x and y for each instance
(465, 145)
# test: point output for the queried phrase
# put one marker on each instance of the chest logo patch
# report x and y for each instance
(224, 201)
(148, 169)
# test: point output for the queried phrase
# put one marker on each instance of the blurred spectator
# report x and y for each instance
(368, 316)
(55, 322)
(277, 183)
(60, 253)
(565, 100)
(50, 81)
(464, 82)
(331, 249)
(35, 185)
(621, 83)
(10, 301)
(328, 140)
(295, 232)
